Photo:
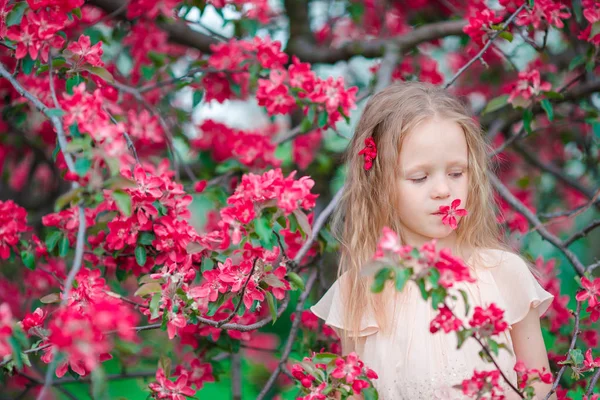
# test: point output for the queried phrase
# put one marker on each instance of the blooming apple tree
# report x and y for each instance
(140, 242)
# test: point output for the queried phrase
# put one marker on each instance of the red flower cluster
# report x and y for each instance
(526, 377)
(231, 278)
(528, 86)
(256, 192)
(591, 12)
(449, 214)
(164, 388)
(37, 32)
(369, 152)
(446, 321)
(591, 293)
(82, 52)
(348, 370)
(484, 382)
(252, 9)
(6, 329)
(543, 14)
(489, 321)
(79, 329)
(252, 148)
(13, 222)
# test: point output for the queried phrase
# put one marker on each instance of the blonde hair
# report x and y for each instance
(368, 200)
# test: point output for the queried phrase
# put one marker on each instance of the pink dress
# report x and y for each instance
(414, 364)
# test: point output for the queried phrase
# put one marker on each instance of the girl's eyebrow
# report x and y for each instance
(453, 163)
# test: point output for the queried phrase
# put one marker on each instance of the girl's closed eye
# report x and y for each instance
(419, 180)
(456, 174)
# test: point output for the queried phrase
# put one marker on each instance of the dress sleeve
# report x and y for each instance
(330, 309)
(517, 286)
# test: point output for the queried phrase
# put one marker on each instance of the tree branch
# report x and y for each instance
(179, 32)
(534, 220)
(306, 50)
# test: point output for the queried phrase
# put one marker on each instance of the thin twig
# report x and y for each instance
(291, 337)
(576, 333)
(593, 383)
(487, 45)
(582, 233)
(318, 224)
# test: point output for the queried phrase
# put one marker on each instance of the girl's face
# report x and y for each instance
(433, 173)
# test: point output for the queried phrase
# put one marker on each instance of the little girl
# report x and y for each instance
(416, 148)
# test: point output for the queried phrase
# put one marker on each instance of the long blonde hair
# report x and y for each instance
(367, 203)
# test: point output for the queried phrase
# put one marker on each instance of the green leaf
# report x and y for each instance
(263, 229)
(527, 118)
(296, 280)
(306, 125)
(554, 95)
(356, 9)
(99, 385)
(104, 74)
(228, 165)
(63, 247)
(55, 152)
(207, 264)
(495, 104)
(197, 98)
(493, 346)
(154, 303)
(82, 165)
(437, 297)
(424, 292)
(547, 106)
(466, 300)
(15, 16)
(146, 238)
(250, 26)
(77, 12)
(576, 62)
(462, 335)
(52, 240)
(402, 276)
(123, 201)
(414, 253)
(148, 288)
(70, 197)
(140, 255)
(28, 259)
(55, 112)
(16, 352)
(272, 307)
(595, 29)
(434, 277)
(324, 358)
(73, 81)
(370, 393)
(506, 35)
(577, 356)
(380, 278)
(121, 274)
(323, 117)
(27, 64)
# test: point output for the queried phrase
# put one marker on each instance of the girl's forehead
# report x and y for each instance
(434, 142)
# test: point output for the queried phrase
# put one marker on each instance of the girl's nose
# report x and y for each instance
(441, 189)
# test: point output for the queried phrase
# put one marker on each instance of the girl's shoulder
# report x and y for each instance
(498, 259)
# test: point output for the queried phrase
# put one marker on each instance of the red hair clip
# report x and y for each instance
(369, 152)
